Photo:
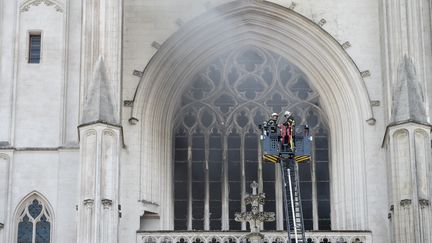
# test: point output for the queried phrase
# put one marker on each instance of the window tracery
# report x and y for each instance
(34, 222)
(216, 141)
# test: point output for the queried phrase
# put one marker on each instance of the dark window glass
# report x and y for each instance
(323, 189)
(321, 155)
(198, 171)
(270, 192)
(198, 210)
(179, 213)
(234, 171)
(251, 171)
(35, 208)
(234, 155)
(268, 172)
(215, 155)
(251, 142)
(215, 209)
(322, 171)
(181, 142)
(215, 224)
(324, 209)
(215, 172)
(307, 209)
(198, 190)
(180, 155)
(34, 224)
(180, 191)
(197, 224)
(324, 224)
(306, 190)
(304, 171)
(43, 231)
(198, 155)
(25, 231)
(308, 224)
(180, 171)
(180, 224)
(234, 190)
(34, 48)
(215, 191)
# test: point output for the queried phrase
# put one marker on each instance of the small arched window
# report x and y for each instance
(34, 224)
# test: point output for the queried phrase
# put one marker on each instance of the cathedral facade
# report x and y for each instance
(137, 120)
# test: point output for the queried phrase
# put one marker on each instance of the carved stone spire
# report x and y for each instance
(98, 103)
(408, 98)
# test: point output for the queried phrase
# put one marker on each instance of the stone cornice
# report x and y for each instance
(400, 123)
(105, 123)
(59, 148)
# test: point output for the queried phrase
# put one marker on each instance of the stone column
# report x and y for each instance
(99, 183)
(408, 140)
(410, 182)
(100, 130)
(406, 43)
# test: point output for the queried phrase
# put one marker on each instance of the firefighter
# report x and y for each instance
(273, 119)
(288, 132)
(272, 122)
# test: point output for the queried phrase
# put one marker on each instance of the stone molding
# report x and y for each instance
(88, 203)
(405, 203)
(319, 55)
(238, 237)
(424, 203)
(107, 203)
(26, 5)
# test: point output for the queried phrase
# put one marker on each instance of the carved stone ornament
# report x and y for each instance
(292, 6)
(255, 217)
(365, 74)
(423, 203)
(405, 203)
(322, 22)
(88, 203)
(107, 203)
(28, 4)
(346, 45)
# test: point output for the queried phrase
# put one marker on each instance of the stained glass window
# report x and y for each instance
(217, 142)
(34, 224)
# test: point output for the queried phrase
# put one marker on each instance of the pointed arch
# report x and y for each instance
(333, 73)
(26, 5)
(33, 216)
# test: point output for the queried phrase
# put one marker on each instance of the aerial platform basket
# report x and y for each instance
(273, 149)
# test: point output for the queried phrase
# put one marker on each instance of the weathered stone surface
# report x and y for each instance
(98, 104)
(408, 96)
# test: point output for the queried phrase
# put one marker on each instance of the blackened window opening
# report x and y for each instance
(216, 144)
(34, 48)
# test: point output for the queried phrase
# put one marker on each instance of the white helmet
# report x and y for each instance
(274, 114)
(287, 114)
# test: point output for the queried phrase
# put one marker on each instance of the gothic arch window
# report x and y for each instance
(217, 142)
(34, 221)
